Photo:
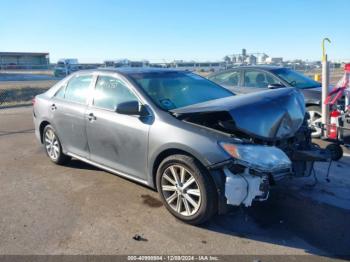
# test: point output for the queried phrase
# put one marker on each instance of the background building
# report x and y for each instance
(198, 66)
(125, 63)
(245, 58)
(22, 60)
(274, 60)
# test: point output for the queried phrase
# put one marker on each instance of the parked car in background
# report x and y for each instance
(199, 145)
(198, 66)
(250, 79)
(65, 67)
(125, 63)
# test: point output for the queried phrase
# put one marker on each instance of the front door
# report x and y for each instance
(115, 140)
(257, 81)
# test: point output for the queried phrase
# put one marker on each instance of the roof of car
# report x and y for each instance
(132, 70)
(263, 67)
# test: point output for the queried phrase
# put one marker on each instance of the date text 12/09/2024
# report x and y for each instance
(173, 258)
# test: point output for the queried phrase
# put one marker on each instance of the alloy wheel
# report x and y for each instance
(51, 144)
(180, 190)
(315, 119)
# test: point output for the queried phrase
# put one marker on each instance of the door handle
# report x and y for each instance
(53, 107)
(91, 117)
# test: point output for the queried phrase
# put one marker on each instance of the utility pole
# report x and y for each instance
(325, 81)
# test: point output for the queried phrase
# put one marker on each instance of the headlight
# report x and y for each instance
(262, 158)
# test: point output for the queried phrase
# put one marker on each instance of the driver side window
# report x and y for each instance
(111, 91)
(258, 79)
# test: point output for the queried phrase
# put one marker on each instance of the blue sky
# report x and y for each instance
(94, 30)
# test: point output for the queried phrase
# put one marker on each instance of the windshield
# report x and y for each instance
(170, 90)
(295, 79)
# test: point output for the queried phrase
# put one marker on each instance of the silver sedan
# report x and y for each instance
(199, 145)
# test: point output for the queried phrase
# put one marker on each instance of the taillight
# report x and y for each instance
(33, 101)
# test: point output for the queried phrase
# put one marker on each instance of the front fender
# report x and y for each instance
(169, 147)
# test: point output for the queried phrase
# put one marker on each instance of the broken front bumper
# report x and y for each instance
(242, 184)
(244, 188)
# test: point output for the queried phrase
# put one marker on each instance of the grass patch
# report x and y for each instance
(11, 97)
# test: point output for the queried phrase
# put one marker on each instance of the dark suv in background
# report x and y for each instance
(249, 79)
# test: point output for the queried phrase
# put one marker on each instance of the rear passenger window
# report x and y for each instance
(60, 92)
(78, 88)
(110, 91)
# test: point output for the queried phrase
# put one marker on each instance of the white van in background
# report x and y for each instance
(65, 67)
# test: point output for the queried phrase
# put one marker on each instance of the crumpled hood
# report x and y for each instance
(272, 114)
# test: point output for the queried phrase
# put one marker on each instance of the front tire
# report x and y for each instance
(53, 147)
(186, 189)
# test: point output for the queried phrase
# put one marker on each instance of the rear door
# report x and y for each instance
(115, 140)
(68, 108)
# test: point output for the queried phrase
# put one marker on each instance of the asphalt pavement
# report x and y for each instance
(79, 209)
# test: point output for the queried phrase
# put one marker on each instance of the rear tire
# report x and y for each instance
(53, 147)
(186, 189)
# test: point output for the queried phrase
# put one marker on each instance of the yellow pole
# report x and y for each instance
(317, 77)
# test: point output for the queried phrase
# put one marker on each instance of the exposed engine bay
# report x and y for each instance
(272, 140)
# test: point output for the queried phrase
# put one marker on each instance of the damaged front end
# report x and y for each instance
(269, 140)
(251, 171)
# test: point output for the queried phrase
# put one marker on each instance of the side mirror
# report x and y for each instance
(129, 108)
(274, 86)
